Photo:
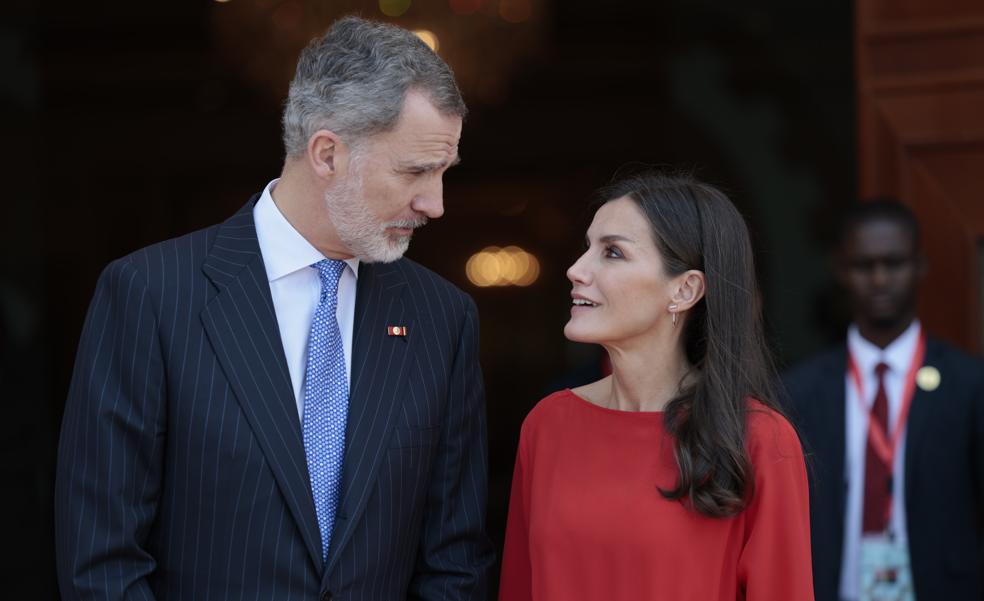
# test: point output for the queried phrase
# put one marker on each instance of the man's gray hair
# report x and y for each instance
(354, 79)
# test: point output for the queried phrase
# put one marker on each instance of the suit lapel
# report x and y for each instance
(920, 420)
(242, 326)
(380, 366)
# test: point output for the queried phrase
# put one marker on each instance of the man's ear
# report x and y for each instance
(689, 289)
(326, 153)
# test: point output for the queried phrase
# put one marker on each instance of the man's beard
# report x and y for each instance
(358, 228)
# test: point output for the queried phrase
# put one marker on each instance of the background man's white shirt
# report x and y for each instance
(897, 356)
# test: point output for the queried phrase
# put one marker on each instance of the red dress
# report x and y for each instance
(586, 521)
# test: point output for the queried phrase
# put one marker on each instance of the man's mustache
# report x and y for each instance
(410, 224)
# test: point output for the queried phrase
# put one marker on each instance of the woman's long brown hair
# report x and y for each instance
(695, 226)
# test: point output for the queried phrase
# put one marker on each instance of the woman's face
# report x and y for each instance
(620, 290)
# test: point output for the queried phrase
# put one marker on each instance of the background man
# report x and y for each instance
(279, 406)
(895, 423)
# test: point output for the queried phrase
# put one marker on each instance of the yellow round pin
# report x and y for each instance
(928, 378)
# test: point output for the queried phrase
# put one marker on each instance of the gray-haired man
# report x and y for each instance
(280, 406)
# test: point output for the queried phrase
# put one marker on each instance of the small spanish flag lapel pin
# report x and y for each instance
(396, 330)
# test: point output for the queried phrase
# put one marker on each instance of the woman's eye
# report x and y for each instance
(613, 252)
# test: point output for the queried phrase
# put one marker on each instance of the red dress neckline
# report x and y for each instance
(583, 401)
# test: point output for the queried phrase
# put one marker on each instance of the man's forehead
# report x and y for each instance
(883, 235)
(418, 112)
(430, 149)
(440, 143)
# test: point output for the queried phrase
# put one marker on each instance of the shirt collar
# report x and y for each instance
(284, 249)
(897, 355)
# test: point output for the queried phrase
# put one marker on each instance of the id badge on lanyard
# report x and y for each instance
(885, 571)
(886, 574)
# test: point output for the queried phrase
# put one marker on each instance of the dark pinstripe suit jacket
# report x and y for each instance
(181, 468)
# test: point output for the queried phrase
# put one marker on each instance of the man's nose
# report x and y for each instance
(879, 274)
(430, 201)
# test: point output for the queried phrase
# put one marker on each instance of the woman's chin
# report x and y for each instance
(576, 334)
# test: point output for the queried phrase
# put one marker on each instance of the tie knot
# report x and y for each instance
(880, 369)
(329, 270)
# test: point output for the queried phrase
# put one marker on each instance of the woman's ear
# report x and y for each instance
(689, 289)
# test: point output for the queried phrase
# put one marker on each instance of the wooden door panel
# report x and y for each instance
(920, 70)
(896, 51)
(934, 117)
(948, 295)
(888, 10)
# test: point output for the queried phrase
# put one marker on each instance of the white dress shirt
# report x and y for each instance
(296, 288)
(898, 357)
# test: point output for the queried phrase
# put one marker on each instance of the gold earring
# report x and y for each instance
(674, 315)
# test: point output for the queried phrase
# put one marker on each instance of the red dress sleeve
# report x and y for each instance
(775, 562)
(516, 583)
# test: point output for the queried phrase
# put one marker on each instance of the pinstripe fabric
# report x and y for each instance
(181, 469)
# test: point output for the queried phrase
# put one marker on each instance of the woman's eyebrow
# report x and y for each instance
(607, 238)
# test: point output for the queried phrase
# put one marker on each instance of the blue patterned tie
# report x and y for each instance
(325, 402)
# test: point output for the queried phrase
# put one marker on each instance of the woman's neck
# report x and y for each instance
(647, 381)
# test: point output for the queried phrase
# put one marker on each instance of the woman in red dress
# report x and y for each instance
(675, 478)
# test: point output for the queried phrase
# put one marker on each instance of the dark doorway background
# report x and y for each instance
(125, 123)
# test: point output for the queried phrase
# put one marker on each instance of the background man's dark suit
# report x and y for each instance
(944, 472)
(182, 471)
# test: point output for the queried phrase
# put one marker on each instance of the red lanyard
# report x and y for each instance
(879, 439)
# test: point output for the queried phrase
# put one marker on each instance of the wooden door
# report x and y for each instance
(920, 73)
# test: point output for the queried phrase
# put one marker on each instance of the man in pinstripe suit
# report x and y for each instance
(185, 465)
